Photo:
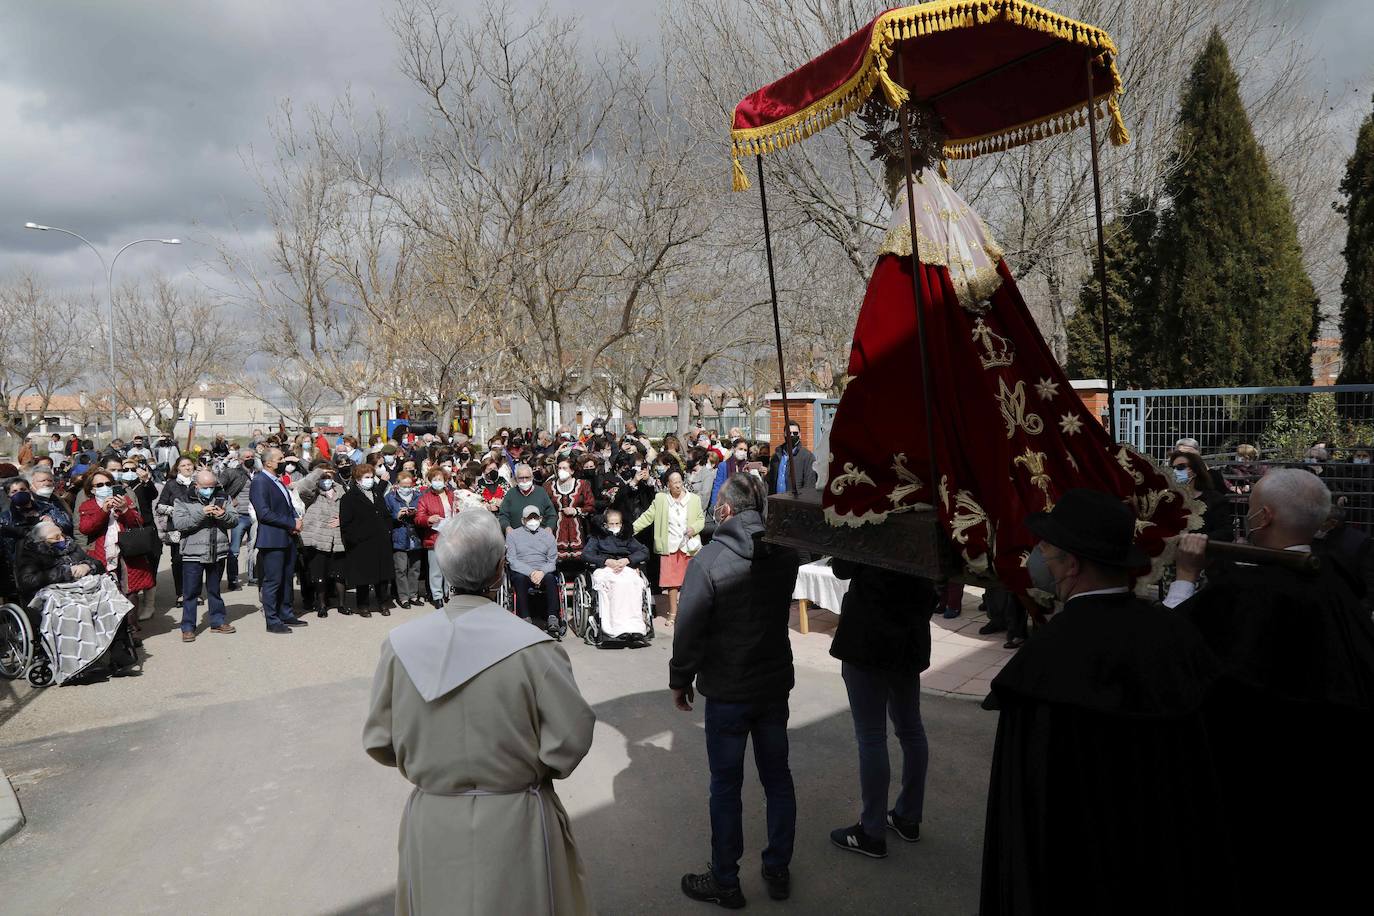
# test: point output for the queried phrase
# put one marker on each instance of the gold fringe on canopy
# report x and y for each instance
(928, 19)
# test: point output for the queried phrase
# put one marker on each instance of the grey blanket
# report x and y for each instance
(79, 621)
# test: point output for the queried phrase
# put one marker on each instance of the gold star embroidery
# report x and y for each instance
(1047, 389)
(1070, 424)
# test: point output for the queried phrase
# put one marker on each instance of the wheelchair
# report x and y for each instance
(587, 618)
(21, 651)
(505, 596)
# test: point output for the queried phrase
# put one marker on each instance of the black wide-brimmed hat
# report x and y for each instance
(1093, 525)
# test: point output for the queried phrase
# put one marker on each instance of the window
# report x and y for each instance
(218, 405)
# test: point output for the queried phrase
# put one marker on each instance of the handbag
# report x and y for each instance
(138, 542)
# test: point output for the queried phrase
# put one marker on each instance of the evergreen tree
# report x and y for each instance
(1235, 306)
(1357, 289)
(1130, 240)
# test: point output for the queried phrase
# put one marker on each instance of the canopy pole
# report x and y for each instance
(905, 114)
(777, 329)
(1102, 264)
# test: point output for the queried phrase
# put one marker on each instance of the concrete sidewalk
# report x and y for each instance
(962, 662)
(11, 814)
(230, 778)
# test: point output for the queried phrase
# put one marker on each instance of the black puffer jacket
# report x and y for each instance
(731, 632)
(885, 619)
(38, 564)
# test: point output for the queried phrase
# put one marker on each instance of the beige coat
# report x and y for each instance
(519, 723)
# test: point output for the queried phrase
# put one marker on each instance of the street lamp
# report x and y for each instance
(109, 291)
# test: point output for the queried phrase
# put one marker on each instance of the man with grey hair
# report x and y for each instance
(731, 638)
(525, 493)
(1187, 445)
(204, 518)
(1291, 721)
(481, 713)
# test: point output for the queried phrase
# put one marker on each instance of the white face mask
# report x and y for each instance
(436, 484)
(43, 491)
(532, 525)
(327, 484)
(741, 454)
(367, 482)
(525, 485)
(184, 479)
(564, 474)
(613, 529)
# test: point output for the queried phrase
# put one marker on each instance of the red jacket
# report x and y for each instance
(93, 521)
(430, 505)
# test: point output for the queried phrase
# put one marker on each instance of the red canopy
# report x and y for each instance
(1000, 73)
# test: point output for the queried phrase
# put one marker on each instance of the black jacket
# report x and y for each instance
(603, 547)
(38, 564)
(885, 619)
(365, 526)
(806, 469)
(731, 633)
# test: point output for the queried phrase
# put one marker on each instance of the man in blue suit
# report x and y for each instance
(277, 523)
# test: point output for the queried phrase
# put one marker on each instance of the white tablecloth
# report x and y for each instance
(817, 584)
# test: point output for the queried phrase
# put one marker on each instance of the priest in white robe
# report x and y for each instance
(479, 710)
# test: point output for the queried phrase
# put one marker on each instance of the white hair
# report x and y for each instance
(1299, 499)
(42, 527)
(523, 467)
(469, 550)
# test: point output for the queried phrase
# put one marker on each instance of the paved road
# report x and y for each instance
(229, 778)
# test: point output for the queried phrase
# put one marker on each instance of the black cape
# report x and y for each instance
(1292, 729)
(1103, 796)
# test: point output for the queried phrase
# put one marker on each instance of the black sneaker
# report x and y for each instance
(779, 883)
(703, 887)
(989, 628)
(553, 628)
(907, 830)
(853, 839)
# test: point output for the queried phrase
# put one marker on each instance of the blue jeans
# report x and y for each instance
(728, 729)
(874, 694)
(235, 542)
(192, 574)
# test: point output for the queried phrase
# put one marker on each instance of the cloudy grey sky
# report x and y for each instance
(128, 118)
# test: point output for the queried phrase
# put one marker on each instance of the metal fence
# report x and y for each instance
(1283, 423)
(1351, 485)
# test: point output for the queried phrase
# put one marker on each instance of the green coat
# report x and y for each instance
(657, 515)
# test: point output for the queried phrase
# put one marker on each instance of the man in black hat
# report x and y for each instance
(1103, 795)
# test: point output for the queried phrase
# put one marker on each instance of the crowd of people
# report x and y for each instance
(330, 525)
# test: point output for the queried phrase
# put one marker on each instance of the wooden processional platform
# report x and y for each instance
(908, 542)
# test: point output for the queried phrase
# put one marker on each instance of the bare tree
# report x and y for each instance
(43, 351)
(308, 325)
(297, 396)
(556, 190)
(167, 341)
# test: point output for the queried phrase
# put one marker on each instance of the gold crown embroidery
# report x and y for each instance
(999, 350)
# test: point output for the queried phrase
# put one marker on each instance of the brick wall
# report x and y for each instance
(803, 413)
